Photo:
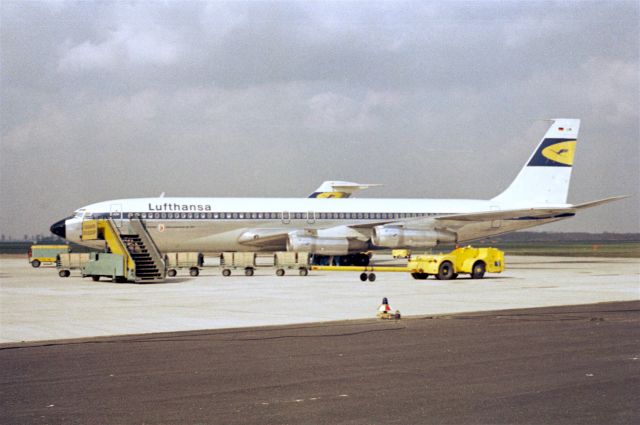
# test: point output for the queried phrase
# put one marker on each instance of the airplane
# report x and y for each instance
(339, 189)
(350, 227)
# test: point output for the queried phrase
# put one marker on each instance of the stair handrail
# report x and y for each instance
(141, 230)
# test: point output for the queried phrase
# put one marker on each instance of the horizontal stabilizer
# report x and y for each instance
(599, 202)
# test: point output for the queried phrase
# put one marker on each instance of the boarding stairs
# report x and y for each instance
(143, 262)
(149, 264)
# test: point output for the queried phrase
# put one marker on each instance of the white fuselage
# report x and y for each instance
(218, 224)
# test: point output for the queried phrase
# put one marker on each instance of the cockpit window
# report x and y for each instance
(79, 214)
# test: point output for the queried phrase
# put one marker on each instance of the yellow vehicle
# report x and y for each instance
(39, 254)
(400, 253)
(474, 261)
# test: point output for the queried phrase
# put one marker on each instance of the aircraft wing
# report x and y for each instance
(455, 220)
(458, 220)
(277, 238)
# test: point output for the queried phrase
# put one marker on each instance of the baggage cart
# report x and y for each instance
(292, 261)
(65, 262)
(193, 261)
(238, 260)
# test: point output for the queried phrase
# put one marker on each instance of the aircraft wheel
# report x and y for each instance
(248, 272)
(280, 272)
(35, 263)
(226, 272)
(363, 277)
(445, 271)
(304, 272)
(372, 277)
(479, 270)
(172, 272)
(194, 271)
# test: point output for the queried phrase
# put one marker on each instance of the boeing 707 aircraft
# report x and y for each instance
(347, 227)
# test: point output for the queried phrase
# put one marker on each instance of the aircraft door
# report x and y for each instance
(286, 217)
(311, 217)
(115, 212)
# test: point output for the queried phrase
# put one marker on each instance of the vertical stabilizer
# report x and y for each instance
(339, 189)
(545, 177)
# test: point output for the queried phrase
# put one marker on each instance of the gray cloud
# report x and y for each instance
(111, 99)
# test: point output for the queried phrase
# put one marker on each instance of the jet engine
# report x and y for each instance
(326, 246)
(399, 237)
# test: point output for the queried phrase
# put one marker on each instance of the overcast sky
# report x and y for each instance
(107, 100)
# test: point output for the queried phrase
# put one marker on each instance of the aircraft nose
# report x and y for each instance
(59, 228)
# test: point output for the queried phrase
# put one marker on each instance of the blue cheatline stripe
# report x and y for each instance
(563, 215)
(292, 216)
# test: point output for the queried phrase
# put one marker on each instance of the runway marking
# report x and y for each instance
(300, 400)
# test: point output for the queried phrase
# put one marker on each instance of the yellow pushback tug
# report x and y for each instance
(474, 261)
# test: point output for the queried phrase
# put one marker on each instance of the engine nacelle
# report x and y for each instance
(326, 246)
(398, 237)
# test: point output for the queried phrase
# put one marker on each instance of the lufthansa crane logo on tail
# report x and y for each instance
(329, 195)
(561, 152)
(555, 152)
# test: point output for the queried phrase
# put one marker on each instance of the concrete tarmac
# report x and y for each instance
(561, 365)
(36, 304)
